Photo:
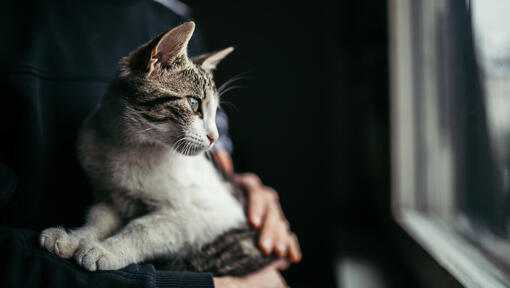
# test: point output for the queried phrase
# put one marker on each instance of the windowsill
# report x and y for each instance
(367, 257)
(462, 260)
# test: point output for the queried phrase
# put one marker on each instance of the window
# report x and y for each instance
(450, 89)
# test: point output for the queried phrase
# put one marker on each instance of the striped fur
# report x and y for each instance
(159, 197)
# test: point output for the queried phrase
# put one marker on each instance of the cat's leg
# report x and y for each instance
(143, 238)
(102, 220)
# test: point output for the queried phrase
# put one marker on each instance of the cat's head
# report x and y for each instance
(171, 98)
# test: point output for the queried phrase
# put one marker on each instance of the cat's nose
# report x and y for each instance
(211, 139)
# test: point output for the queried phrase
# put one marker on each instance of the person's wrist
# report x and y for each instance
(225, 282)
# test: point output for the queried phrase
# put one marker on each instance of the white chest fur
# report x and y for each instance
(189, 190)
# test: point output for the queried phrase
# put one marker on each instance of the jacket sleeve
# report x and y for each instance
(25, 264)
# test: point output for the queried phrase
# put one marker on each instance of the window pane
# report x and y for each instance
(452, 111)
(487, 206)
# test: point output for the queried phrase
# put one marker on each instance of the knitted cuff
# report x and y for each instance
(183, 280)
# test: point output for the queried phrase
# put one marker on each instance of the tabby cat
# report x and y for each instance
(159, 196)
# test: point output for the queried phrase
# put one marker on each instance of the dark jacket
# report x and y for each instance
(56, 60)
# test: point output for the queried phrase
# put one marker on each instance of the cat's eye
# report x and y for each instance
(194, 103)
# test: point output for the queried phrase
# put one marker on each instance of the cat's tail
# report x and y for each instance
(235, 253)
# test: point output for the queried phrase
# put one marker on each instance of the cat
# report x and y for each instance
(159, 195)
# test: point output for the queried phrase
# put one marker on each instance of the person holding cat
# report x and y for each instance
(25, 264)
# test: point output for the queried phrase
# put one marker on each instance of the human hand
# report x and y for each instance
(265, 213)
(267, 277)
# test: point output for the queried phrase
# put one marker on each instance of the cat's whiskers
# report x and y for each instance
(185, 148)
(233, 79)
(188, 152)
(228, 103)
(223, 92)
(184, 145)
(179, 143)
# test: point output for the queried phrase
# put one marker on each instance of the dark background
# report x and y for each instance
(313, 121)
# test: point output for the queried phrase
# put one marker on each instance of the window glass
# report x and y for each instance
(450, 82)
(485, 199)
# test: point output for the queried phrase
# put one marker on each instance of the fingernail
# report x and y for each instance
(267, 243)
(281, 248)
(256, 220)
(299, 256)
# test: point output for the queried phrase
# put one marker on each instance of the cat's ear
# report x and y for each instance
(172, 44)
(209, 61)
(161, 51)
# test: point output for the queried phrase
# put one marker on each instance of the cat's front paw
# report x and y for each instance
(94, 256)
(58, 241)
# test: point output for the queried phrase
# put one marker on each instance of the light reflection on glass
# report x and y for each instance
(491, 25)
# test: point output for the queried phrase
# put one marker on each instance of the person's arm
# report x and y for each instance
(25, 264)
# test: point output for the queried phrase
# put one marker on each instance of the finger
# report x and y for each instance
(294, 249)
(225, 161)
(257, 199)
(282, 238)
(269, 231)
(273, 200)
(281, 247)
(280, 227)
(257, 208)
(275, 225)
(248, 180)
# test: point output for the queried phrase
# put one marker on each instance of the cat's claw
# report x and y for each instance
(94, 256)
(58, 241)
